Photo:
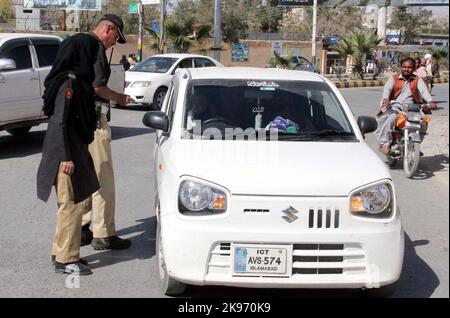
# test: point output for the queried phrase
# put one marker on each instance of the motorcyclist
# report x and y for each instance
(406, 88)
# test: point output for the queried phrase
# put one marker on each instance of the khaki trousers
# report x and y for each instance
(100, 208)
(66, 243)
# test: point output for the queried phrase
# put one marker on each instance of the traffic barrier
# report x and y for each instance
(373, 83)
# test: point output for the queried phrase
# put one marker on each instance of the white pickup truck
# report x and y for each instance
(25, 61)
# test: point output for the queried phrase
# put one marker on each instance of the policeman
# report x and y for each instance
(66, 162)
(100, 210)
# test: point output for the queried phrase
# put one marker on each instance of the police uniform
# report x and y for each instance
(69, 103)
(100, 209)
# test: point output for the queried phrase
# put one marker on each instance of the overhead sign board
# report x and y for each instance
(133, 7)
(92, 5)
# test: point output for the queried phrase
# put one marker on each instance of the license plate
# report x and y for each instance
(260, 260)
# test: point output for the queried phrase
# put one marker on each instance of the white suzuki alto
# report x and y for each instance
(263, 179)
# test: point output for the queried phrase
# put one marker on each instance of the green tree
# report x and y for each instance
(279, 61)
(410, 22)
(6, 11)
(180, 36)
(359, 45)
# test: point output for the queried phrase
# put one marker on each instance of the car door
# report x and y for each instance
(45, 53)
(203, 62)
(163, 139)
(184, 63)
(20, 96)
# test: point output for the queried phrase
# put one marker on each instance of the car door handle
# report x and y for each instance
(34, 78)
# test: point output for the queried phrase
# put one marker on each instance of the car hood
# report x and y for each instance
(279, 168)
(142, 76)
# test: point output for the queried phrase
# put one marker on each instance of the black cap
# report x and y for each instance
(118, 23)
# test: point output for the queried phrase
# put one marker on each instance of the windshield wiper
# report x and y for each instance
(336, 134)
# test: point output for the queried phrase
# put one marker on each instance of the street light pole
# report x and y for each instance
(217, 29)
(161, 29)
(314, 27)
(140, 30)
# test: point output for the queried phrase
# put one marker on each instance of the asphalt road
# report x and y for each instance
(27, 224)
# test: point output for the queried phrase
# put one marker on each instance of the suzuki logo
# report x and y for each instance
(290, 214)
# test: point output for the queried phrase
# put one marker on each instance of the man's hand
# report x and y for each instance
(433, 105)
(384, 102)
(68, 167)
(126, 100)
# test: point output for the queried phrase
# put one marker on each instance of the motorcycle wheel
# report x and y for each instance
(411, 157)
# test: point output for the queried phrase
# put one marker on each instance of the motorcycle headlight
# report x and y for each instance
(140, 84)
(196, 198)
(373, 201)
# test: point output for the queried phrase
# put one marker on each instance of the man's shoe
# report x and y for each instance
(72, 268)
(110, 243)
(86, 235)
(80, 260)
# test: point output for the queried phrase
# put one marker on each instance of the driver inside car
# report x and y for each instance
(203, 108)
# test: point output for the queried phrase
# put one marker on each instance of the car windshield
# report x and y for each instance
(154, 65)
(241, 109)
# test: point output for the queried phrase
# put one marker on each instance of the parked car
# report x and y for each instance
(299, 63)
(147, 81)
(25, 61)
(263, 179)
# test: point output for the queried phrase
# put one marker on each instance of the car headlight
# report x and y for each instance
(140, 84)
(198, 198)
(373, 201)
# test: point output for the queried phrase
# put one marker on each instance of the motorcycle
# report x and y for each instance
(409, 130)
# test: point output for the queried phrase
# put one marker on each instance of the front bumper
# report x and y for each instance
(143, 95)
(340, 251)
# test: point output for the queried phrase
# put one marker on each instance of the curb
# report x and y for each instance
(373, 83)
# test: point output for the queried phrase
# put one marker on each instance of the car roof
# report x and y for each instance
(179, 55)
(253, 73)
(9, 36)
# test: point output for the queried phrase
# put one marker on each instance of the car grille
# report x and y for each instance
(307, 259)
(319, 219)
(327, 259)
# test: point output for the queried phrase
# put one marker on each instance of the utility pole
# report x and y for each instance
(161, 28)
(381, 22)
(217, 29)
(140, 30)
(314, 31)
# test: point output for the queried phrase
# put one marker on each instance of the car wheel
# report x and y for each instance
(169, 286)
(20, 131)
(158, 98)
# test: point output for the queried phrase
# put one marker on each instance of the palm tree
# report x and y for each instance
(180, 36)
(279, 61)
(358, 45)
(440, 57)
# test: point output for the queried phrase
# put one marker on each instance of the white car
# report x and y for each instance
(25, 61)
(147, 81)
(263, 179)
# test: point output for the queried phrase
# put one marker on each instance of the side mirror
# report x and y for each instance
(7, 64)
(367, 124)
(157, 120)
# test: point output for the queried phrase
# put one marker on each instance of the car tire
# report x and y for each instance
(382, 292)
(158, 98)
(169, 286)
(20, 131)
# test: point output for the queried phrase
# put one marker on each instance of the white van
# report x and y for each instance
(25, 61)
(263, 179)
